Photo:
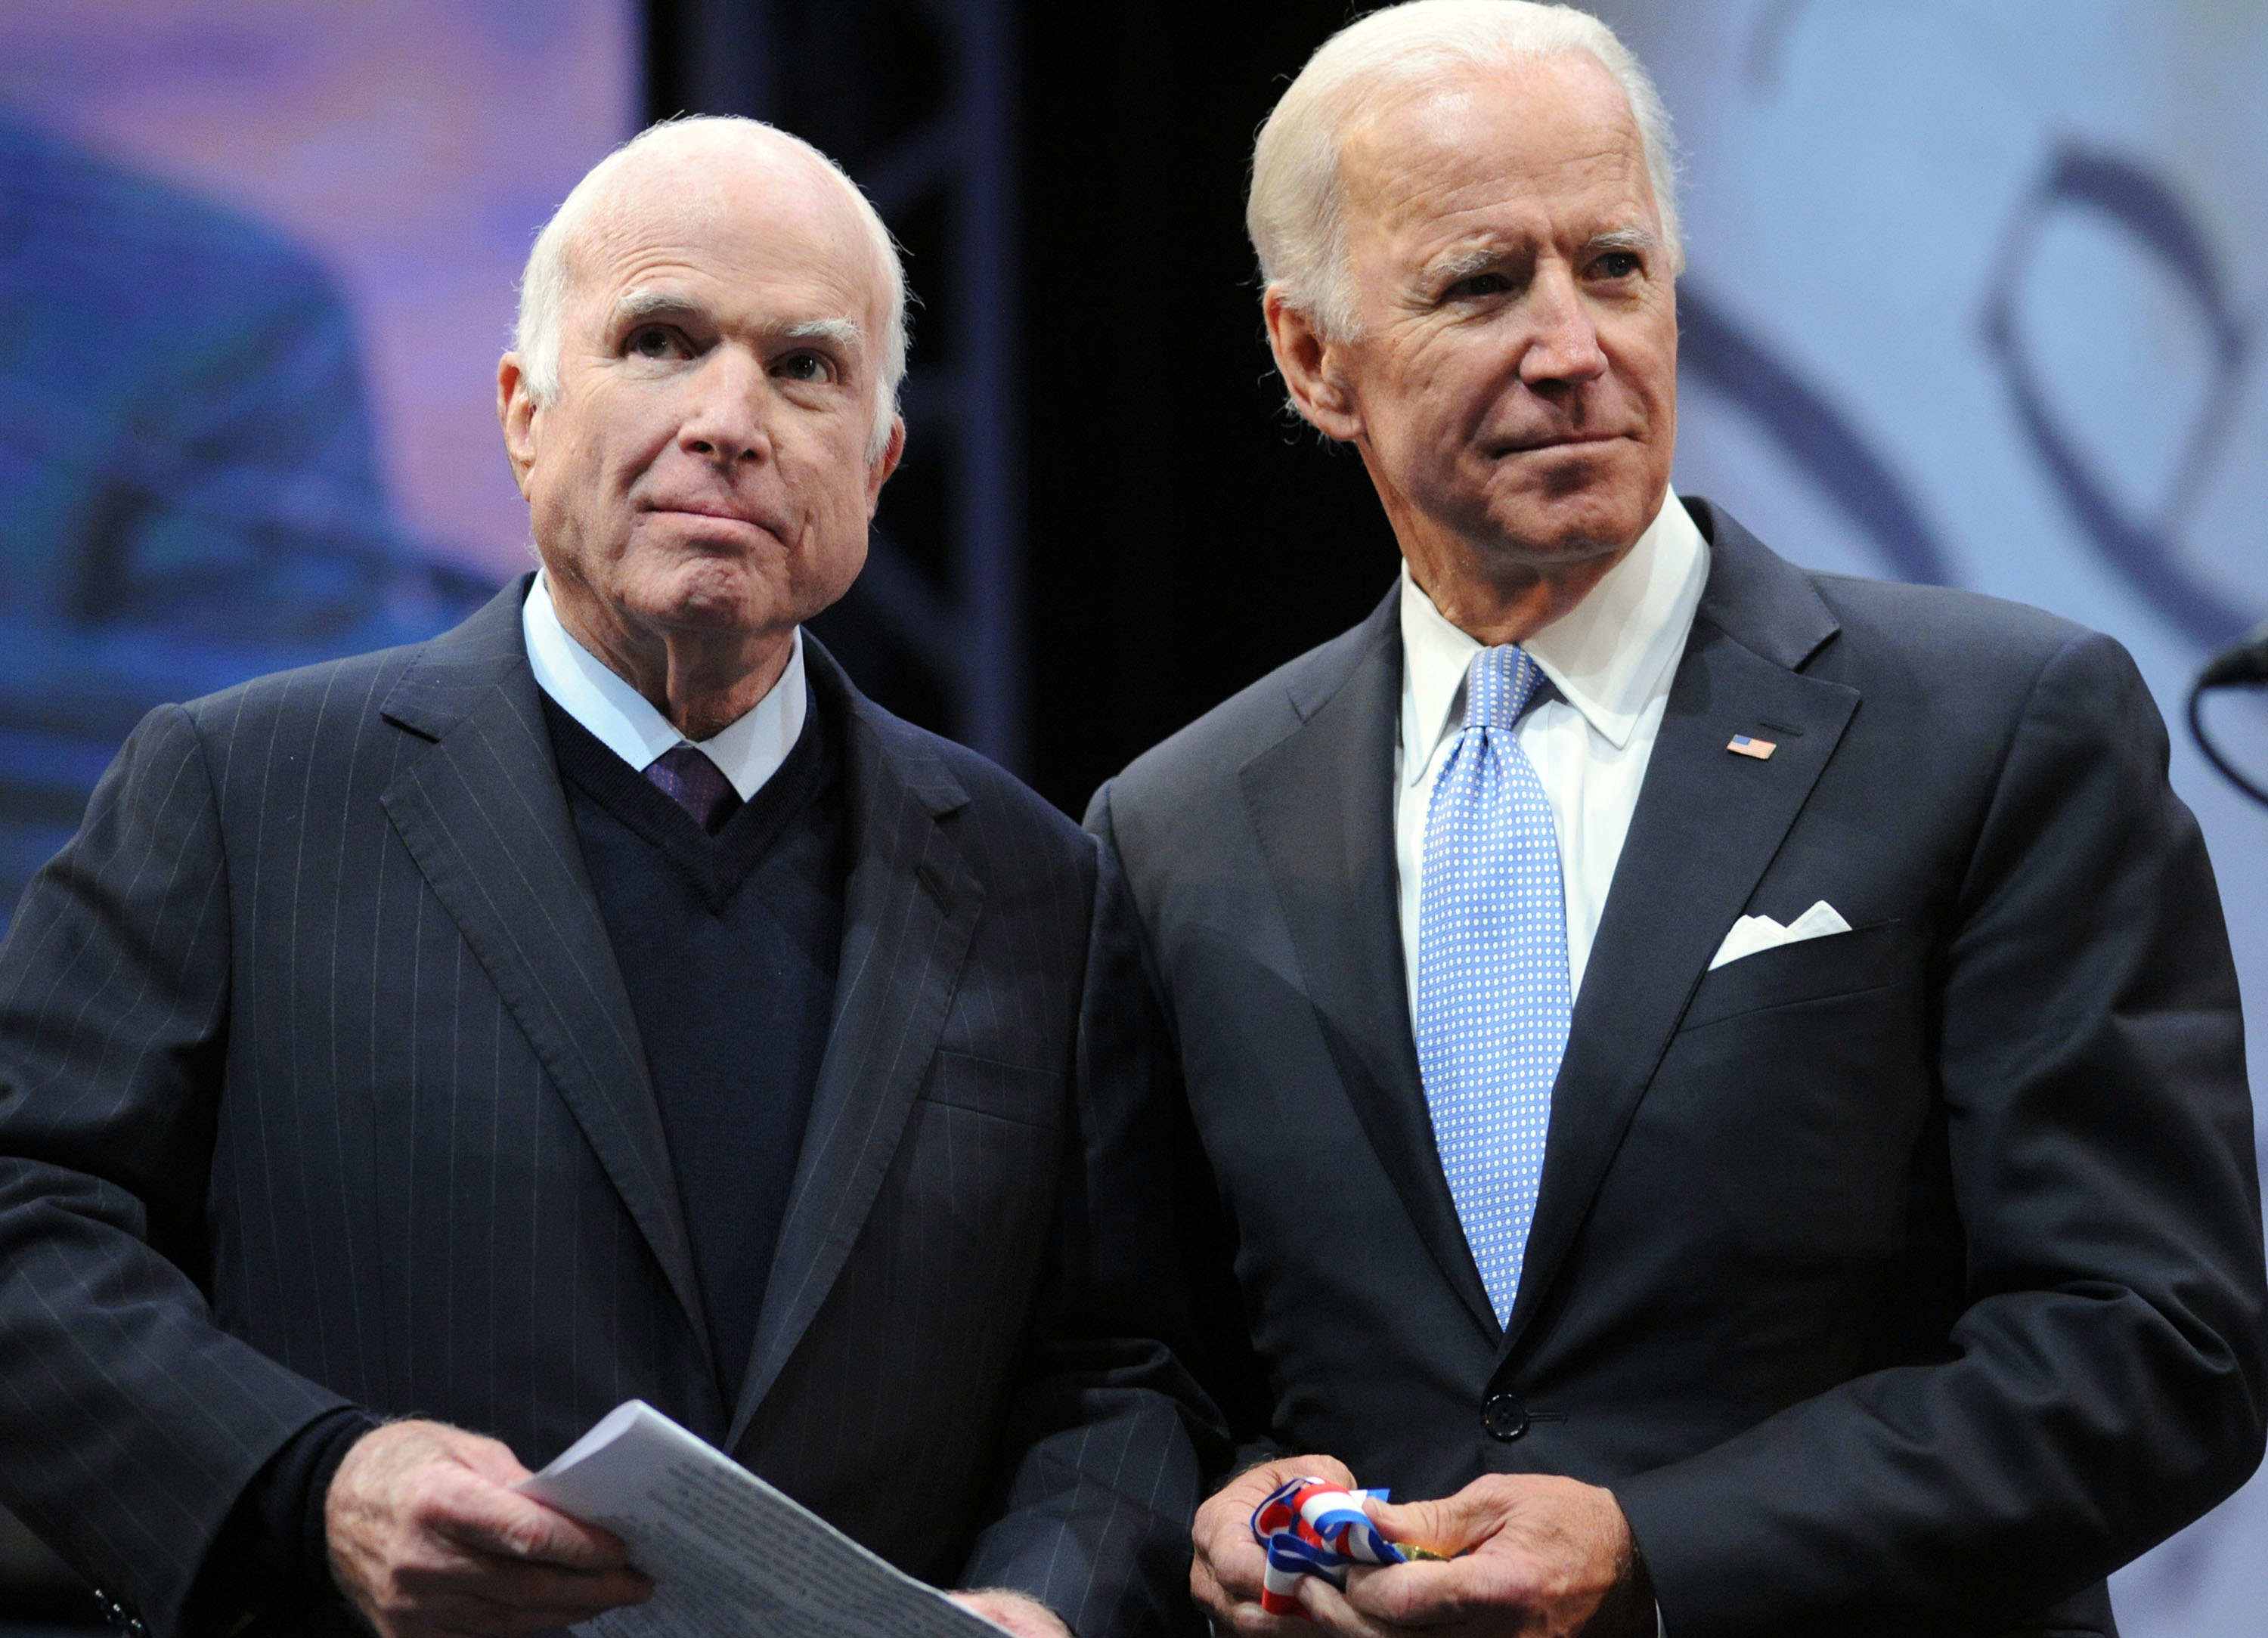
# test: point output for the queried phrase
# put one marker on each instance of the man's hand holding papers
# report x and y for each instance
(428, 1535)
(732, 1557)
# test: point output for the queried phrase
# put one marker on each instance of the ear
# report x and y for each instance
(877, 473)
(1311, 368)
(516, 412)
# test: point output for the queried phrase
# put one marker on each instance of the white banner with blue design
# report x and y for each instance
(1975, 295)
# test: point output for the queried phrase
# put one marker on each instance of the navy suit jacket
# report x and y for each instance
(1906, 1280)
(319, 1084)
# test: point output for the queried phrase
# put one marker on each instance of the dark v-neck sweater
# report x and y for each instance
(727, 945)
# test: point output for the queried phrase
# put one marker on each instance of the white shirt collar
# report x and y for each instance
(748, 753)
(1607, 656)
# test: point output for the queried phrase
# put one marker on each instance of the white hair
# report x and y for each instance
(543, 284)
(1296, 214)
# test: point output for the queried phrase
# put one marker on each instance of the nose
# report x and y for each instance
(1563, 346)
(723, 420)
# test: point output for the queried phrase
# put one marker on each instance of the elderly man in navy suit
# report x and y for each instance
(603, 1000)
(1725, 1082)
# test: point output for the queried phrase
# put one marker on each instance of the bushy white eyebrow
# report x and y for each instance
(1626, 238)
(1464, 264)
(1480, 258)
(644, 303)
(843, 332)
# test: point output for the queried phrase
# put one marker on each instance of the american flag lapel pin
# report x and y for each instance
(1760, 749)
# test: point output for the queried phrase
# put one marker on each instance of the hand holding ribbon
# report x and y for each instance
(1310, 1526)
(1512, 1555)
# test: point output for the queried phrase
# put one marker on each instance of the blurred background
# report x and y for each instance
(1974, 298)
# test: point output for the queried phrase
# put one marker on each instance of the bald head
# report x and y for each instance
(684, 176)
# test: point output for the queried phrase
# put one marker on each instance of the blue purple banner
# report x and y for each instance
(256, 263)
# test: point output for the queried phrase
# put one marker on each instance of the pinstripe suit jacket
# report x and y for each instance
(319, 1084)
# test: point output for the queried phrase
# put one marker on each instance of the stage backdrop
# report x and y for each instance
(1975, 296)
(256, 264)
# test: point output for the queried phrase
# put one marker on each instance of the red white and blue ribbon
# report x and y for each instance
(1311, 1527)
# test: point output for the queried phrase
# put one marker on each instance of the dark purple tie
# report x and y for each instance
(697, 784)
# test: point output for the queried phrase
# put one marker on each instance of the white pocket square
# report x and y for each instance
(1752, 933)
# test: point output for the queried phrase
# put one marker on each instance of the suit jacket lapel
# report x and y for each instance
(1707, 825)
(483, 815)
(1321, 800)
(910, 910)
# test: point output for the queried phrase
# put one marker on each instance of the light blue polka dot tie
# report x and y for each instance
(1492, 992)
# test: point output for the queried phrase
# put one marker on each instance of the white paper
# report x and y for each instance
(1754, 933)
(730, 1556)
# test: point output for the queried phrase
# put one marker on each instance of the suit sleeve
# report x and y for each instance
(1112, 1439)
(1134, 1046)
(129, 1422)
(2105, 1383)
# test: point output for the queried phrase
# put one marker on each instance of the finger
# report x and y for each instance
(1244, 1616)
(1253, 1485)
(506, 1583)
(499, 1523)
(1252, 1620)
(1206, 1589)
(1223, 1531)
(1233, 1559)
(1332, 1469)
(1411, 1595)
(1450, 1526)
(457, 1614)
(1330, 1609)
(1409, 1521)
(1230, 1565)
(1228, 1511)
(1266, 1476)
(1238, 1567)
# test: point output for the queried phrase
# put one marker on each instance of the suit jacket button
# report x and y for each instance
(1504, 1417)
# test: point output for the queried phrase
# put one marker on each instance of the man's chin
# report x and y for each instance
(721, 599)
(1546, 544)
(1543, 526)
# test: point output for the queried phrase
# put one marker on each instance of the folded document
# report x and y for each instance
(730, 1556)
(1753, 933)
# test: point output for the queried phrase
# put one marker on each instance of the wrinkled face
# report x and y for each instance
(704, 466)
(1515, 379)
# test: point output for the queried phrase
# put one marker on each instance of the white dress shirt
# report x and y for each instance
(748, 753)
(1611, 659)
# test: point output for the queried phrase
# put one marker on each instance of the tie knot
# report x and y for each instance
(689, 778)
(1499, 685)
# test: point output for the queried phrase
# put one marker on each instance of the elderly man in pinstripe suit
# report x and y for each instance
(602, 1000)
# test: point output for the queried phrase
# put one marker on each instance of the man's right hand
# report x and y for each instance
(427, 1537)
(1224, 1576)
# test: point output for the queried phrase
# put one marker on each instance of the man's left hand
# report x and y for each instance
(1536, 1556)
(1020, 1612)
